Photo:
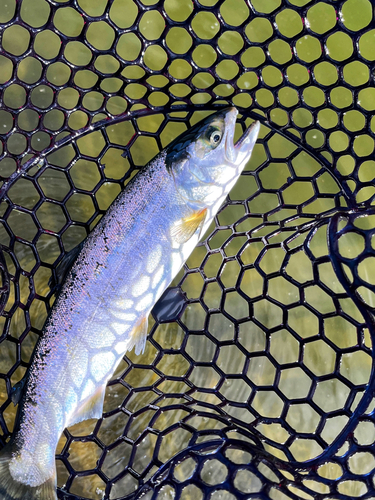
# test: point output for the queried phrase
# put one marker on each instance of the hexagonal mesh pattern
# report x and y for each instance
(260, 383)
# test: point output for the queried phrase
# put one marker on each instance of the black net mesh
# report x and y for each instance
(257, 379)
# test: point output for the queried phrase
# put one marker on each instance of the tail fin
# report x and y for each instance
(10, 489)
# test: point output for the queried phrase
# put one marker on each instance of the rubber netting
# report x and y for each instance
(257, 380)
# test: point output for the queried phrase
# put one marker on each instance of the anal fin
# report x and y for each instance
(92, 407)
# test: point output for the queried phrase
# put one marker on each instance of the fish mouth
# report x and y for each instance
(241, 150)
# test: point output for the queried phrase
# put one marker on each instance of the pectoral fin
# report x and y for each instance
(138, 336)
(185, 228)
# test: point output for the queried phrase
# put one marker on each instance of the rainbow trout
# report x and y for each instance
(101, 312)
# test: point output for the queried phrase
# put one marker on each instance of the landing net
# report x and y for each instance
(258, 383)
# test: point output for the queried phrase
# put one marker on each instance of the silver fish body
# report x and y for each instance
(125, 265)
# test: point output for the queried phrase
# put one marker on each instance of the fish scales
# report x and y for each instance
(101, 312)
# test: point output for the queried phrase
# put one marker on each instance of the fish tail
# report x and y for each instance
(11, 489)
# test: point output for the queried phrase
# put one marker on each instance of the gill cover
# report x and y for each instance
(206, 135)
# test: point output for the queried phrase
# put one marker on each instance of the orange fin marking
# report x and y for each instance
(185, 228)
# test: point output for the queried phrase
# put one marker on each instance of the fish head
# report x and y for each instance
(204, 161)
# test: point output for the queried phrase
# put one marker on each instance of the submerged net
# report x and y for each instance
(257, 379)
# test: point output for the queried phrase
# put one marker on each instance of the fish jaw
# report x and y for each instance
(239, 153)
(230, 126)
(245, 144)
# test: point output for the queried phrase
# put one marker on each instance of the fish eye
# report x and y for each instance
(215, 138)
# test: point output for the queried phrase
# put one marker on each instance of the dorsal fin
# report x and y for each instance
(64, 266)
(17, 391)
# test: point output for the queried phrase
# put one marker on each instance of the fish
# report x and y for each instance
(111, 284)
